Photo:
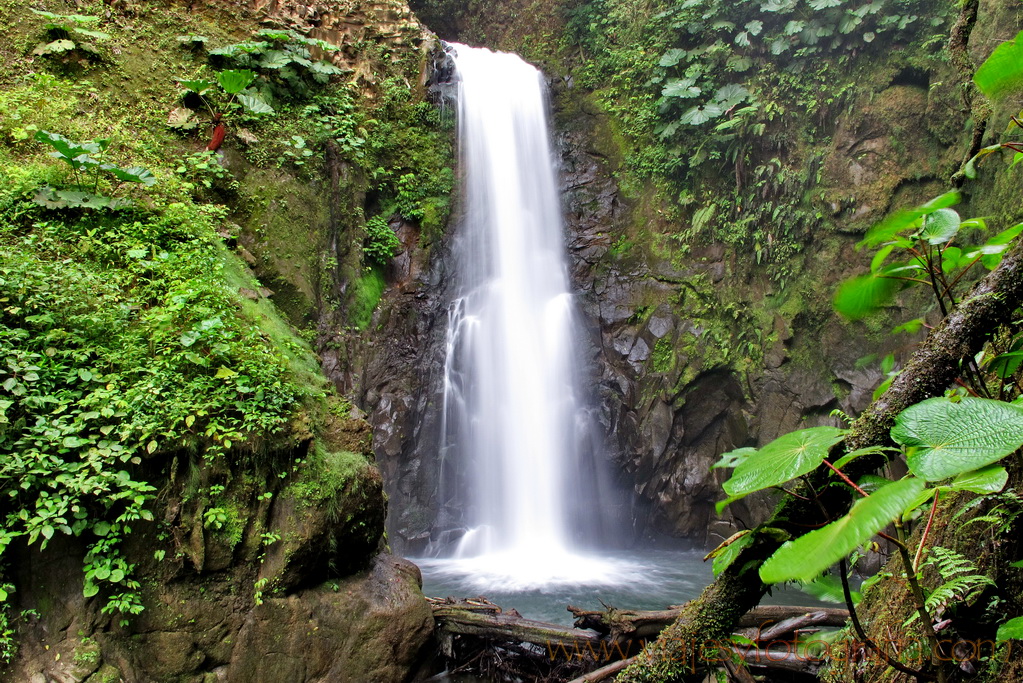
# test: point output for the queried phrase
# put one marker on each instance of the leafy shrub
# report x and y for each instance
(381, 241)
(87, 163)
(65, 33)
(119, 342)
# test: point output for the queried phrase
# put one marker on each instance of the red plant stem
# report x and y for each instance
(846, 479)
(927, 530)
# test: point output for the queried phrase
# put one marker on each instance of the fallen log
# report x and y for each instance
(736, 661)
(482, 618)
(604, 673)
(595, 630)
(769, 621)
(777, 661)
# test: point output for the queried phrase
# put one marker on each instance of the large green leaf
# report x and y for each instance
(730, 95)
(236, 80)
(198, 86)
(681, 87)
(326, 68)
(1010, 630)
(901, 221)
(1002, 72)
(940, 226)
(69, 150)
(947, 438)
(275, 59)
(806, 557)
(860, 296)
(255, 104)
(132, 174)
(987, 480)
(785, 458)
(698, 115)
(671, 57)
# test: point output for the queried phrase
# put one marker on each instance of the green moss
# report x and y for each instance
(367, 291)
(662, 360)
(325, 476)
(303, 366)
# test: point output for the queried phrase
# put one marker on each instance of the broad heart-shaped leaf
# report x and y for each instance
(133, 174)
(54, 47)
(730, 95)
(671, 57)
(1002, 72)
(236, 80)
(199, 86)
(681, 87)
(990, 479)
(946, 438)
(255, 105)
(860, 296)
(1010, 630)
(900, 221)
(83, 200)
(66, 149)
(326, 68)
(275, 59)
(182, 118)
(806, 557)
(698, 115)
(940, 226)
(785, 458)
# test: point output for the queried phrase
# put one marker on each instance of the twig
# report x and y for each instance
(847, 480)
(921, 603)
(843, 570)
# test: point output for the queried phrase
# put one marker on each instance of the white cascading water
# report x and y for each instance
(511, 394)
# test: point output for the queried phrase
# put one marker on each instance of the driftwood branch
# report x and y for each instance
(769, 622)
(933, 367)
(482, 618)
(609, 636)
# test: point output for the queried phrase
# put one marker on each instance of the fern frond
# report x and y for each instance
(963, 582)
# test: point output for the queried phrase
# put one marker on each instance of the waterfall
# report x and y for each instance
(513, 416)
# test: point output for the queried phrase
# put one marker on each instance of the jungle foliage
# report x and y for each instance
(709, 95)
(966, 443)
(124, 339)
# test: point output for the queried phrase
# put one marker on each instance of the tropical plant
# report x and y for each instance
(284, 61)
(228, 94)
(88, 166)
(65, 33)
(381, 242)
(950, 444)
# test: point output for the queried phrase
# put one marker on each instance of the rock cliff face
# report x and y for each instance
(695, 351)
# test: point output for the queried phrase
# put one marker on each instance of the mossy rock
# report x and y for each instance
(330, 521)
